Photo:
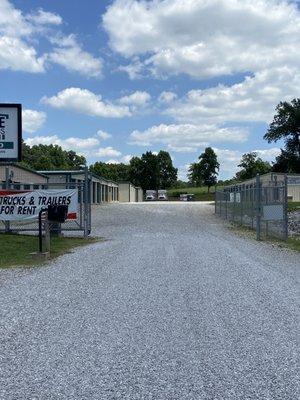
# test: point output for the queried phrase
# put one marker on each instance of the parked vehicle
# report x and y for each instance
(151, 195)
(162, 195)
(187, 197)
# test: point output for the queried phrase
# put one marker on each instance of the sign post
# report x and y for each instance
(10, 132)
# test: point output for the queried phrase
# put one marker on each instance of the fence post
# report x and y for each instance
(7, 187)
(86, 201)
(258, 208)
(216, 199)
(285, 209)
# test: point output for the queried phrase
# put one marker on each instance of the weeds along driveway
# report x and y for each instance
(172, 306)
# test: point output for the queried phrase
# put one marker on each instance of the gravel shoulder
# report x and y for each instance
(172, 305)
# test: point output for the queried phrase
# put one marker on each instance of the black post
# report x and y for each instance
(40, 230)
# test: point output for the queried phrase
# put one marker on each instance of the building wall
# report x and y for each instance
(123, 192)
(132, 194)
(22, 177)
(140, 194)
(294, 192)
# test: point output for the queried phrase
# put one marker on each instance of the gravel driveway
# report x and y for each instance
(172, 306)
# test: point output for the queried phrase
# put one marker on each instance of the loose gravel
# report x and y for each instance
(172, 305)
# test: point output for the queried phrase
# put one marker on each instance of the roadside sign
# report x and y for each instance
(10, 132)
(25, 205)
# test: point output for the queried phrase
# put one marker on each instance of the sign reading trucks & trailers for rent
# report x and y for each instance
(10, 132)
(26, 205)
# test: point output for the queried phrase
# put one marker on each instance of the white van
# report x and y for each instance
(162, 195)
(151, 195)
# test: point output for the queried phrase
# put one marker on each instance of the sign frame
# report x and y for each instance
(17, 106)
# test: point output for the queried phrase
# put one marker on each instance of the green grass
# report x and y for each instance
(199, 192)
(15, 249)
(291, 243)
(293, 206)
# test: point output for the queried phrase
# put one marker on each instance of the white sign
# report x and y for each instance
(235, 197)
(273, 212)
(26, 205)
(10, 132)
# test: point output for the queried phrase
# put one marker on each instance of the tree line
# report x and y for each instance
(150, 171)
(156, 171)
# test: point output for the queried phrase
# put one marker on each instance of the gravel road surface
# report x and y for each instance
(172, 305)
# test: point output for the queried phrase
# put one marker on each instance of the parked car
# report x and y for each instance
(187, 197)
(151, 195)
(162, 195)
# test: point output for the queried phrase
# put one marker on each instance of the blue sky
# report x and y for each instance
(112, 79)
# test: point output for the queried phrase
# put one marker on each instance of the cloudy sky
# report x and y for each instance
(114, 78)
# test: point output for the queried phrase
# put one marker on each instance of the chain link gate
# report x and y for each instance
(260, 206)
(81, 224)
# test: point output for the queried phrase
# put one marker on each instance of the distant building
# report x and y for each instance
(21, 178)
(274, 179)
(128, 193)
(101, 190)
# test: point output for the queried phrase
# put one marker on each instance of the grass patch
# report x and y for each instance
(293, 206)
(15, 249)
(291, 243)
(199, 192)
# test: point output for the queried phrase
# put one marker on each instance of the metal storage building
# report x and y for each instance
(21, 178)
(274, 179)
(128, 193)
(101, 190)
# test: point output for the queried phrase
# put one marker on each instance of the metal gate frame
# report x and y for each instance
(81, 224)
(261, 207)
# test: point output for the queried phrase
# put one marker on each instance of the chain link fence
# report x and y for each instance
(261, 206)
(82, 223)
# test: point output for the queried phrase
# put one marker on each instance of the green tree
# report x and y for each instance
(252, 165)
(115, 172)
(205, 172)
(286, 126)
(50, 157)
(167, 172)
(135, 171)
(151, 171)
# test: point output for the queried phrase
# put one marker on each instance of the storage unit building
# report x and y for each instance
(101, 190)
(128, 193)
(275, 179)
(21, 178)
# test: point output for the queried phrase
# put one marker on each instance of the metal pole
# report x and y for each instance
(258, 208)
(40, 232)
(86, 200)
(285, 209)
(7, 187)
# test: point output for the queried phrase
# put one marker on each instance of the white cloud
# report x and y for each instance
(204, 38)
(107, 152)
(254, 99)
(86, 102)
(17, 55)
(41, 17)
(186, 137)
(19, 39)
(69, 54)
(268, 154)
(137, 98)
(103, 135)
(33, 120)
(167, 97)
(16, 33)
(126, 159)
(71, 143)
(229, 159)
